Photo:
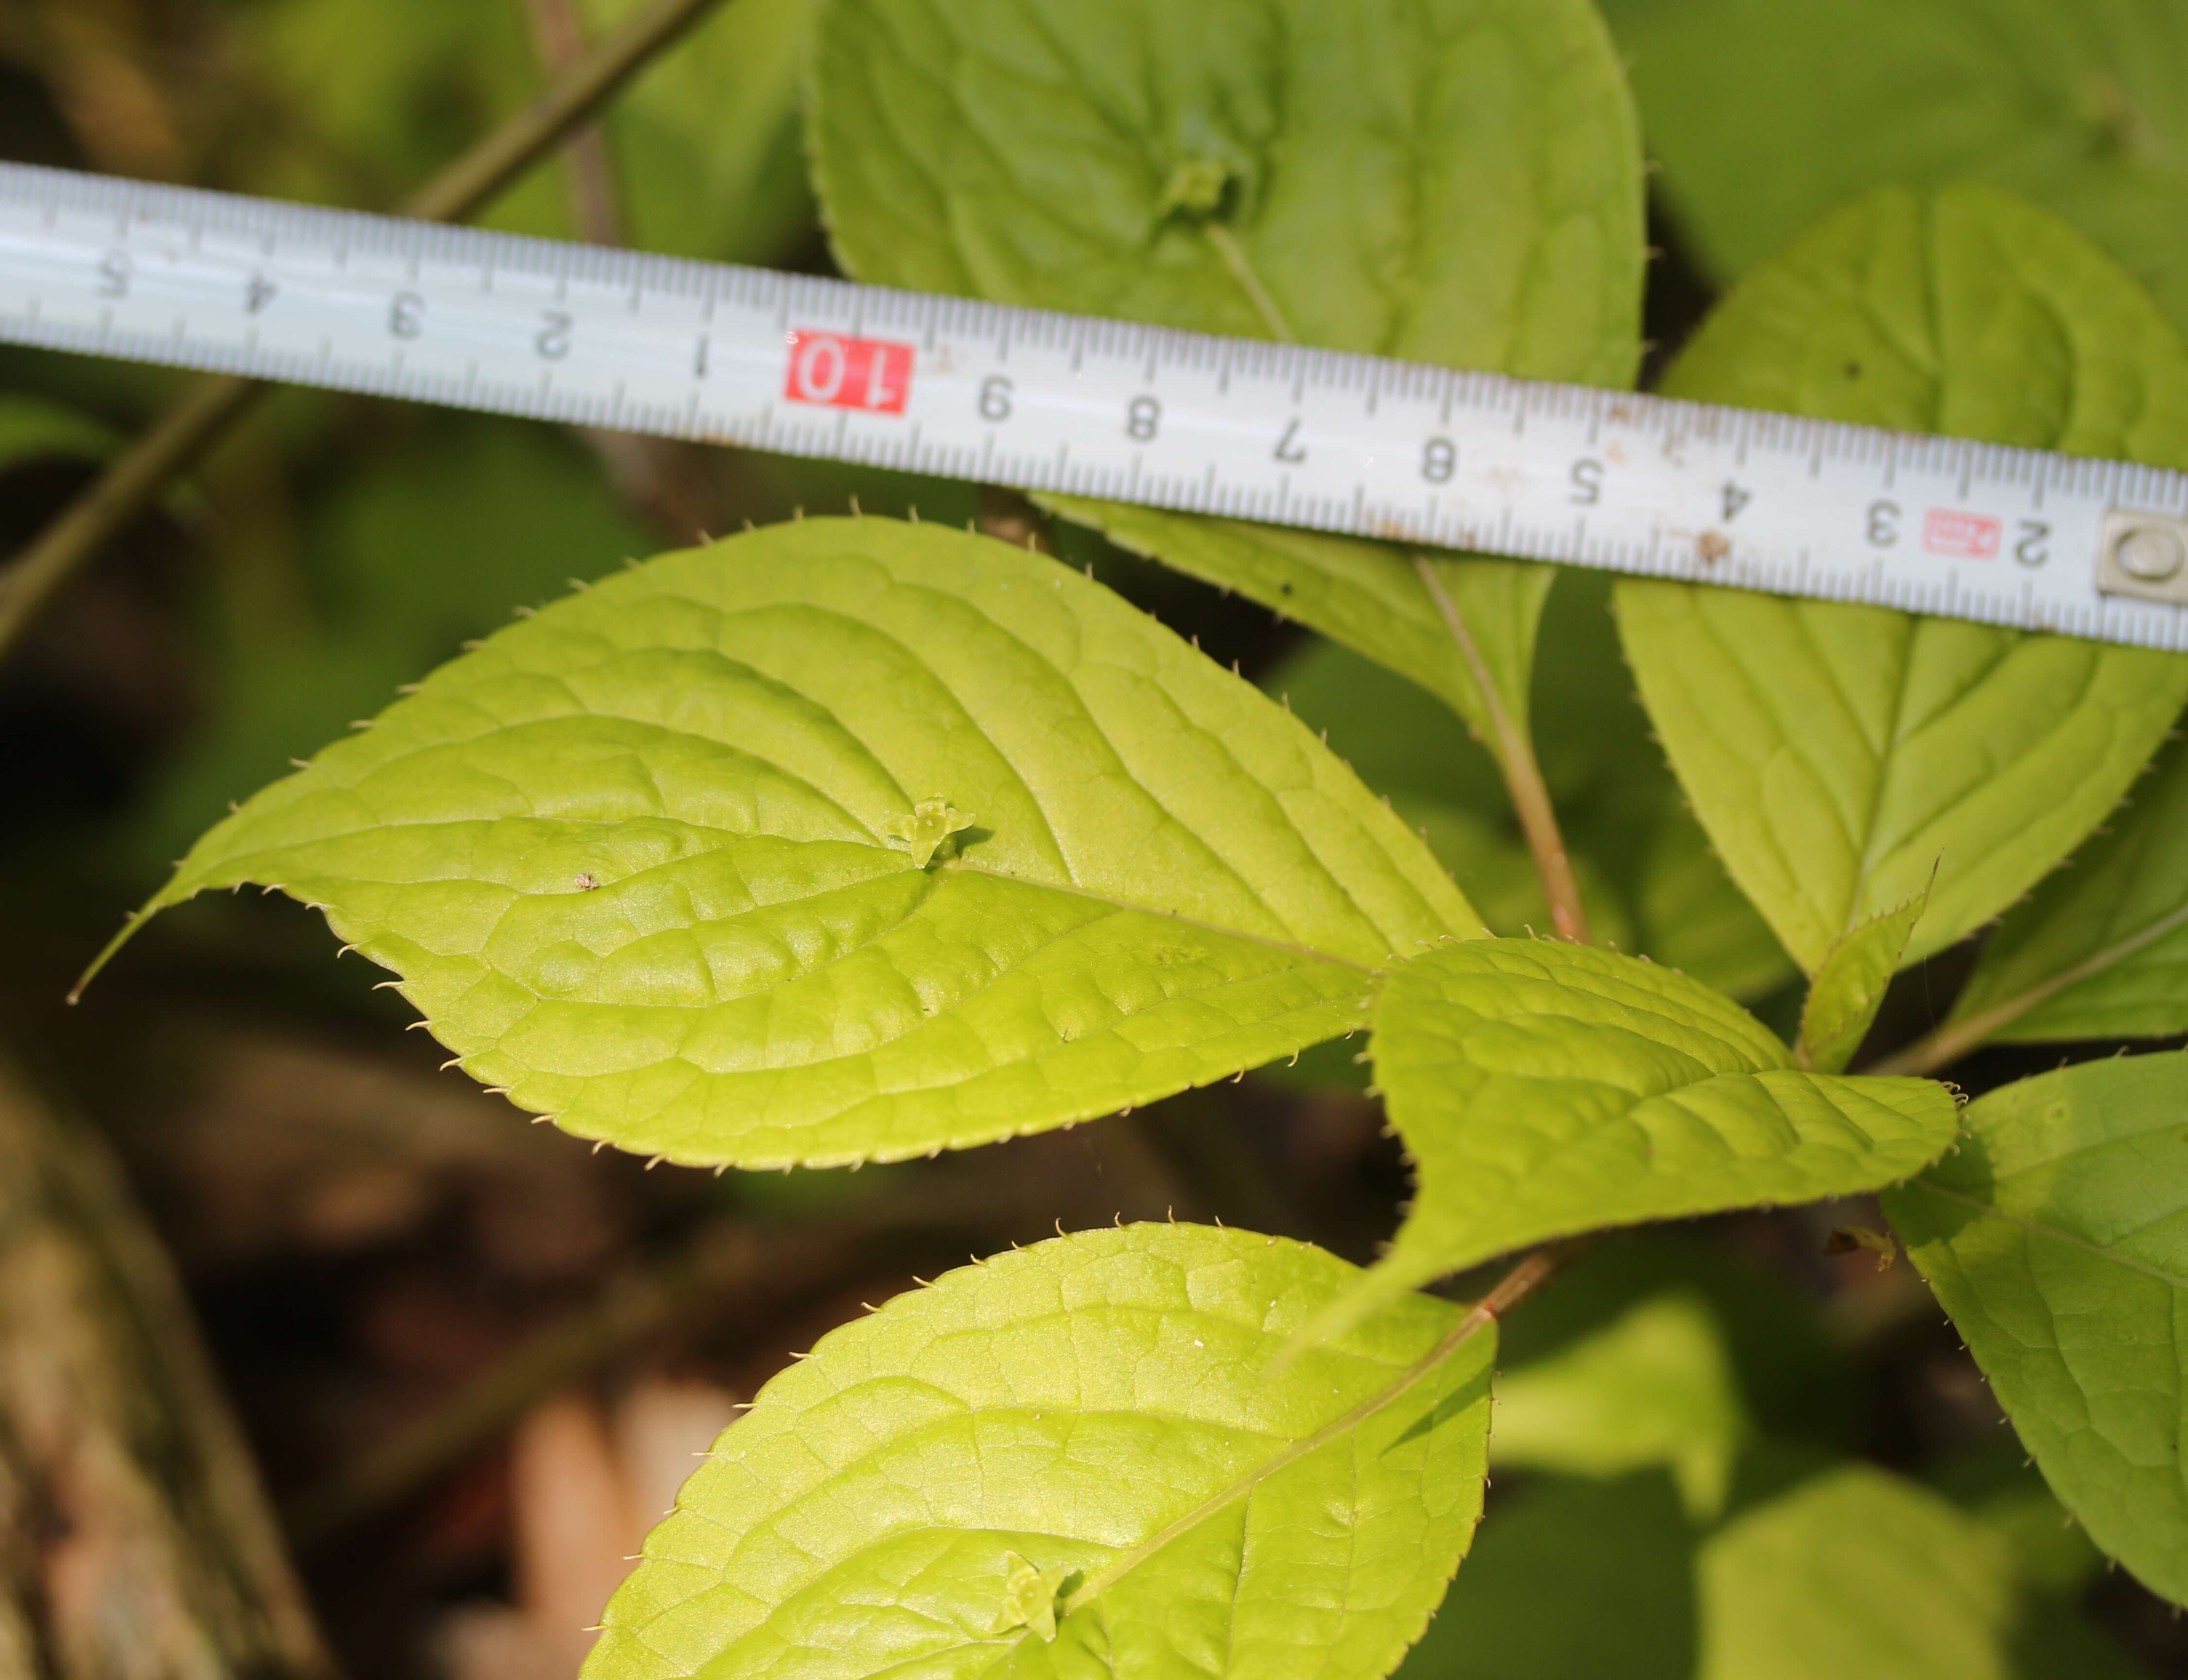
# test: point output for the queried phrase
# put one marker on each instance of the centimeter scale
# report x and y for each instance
(1360, 445)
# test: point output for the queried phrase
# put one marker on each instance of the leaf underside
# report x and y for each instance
(2100, 950)
(1545, 1089)
(1103, 1405)
(632, 857)
(2057, 1238)
(1481, 209)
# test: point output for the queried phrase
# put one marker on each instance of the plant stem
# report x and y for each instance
(1522, 773)
(466, 185)
(1242, 270)
(660, 480)
(560, 39)
(130, 485)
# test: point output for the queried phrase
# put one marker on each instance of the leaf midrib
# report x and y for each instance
(2037, 1227)
(2099, 962)
(1292, 947)
(1124, 1561)
(1129, 1559)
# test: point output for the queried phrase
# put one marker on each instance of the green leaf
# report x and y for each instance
(1464, 630)
(1856, 1571)
(1407, 747)
(1844, 1571)
(1256, 167)
(1840, 754)
(2057, 1238)
(2100, 950)
(1764, 119)
(1792, 1376)
(1656, 1387)
(34, 428)
(1849, 986)
(631, 857)
(1545, 1089)
(1103, 1405)
(1646, 876)
(1480, 207)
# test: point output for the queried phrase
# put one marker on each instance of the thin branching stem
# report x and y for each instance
(1514, 752)
(214, 402)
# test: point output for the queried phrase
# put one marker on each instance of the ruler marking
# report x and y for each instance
(1499, 472)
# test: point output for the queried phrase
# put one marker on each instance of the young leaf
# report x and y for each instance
(2054, 1236)
(1765, 119)
(1838, 754)
(1099, 1419)
(1254, 168)
(2100, 950)
(1849, 985)
(633, 856)
(1544, 1089)
(1656, 1387)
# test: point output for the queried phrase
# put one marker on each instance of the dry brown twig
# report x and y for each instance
(135, 1536)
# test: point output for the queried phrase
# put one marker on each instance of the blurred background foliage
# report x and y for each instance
(472, 1358)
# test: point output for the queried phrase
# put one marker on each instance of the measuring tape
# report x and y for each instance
(1360, 445)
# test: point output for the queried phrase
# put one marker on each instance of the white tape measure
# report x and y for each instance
(1358, 444)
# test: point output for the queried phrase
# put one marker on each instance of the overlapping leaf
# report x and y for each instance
(633, 856)
(1544, 1089)
(2057, 1238)
(1643, 866)
(1090, 1427)
(1838, 754)
(1849, 986)
(1856, 1571)
(1845, 1570)
(2100, 950)
(1656, 1387)
(1766, 115)
(1460, 185)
